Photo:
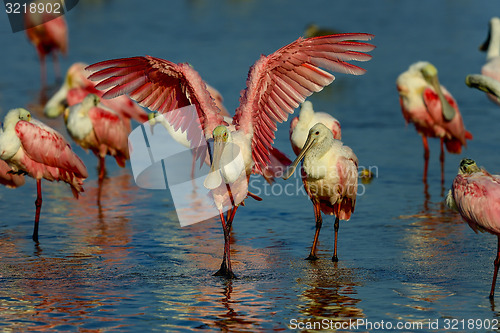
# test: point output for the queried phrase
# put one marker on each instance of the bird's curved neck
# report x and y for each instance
(494, 43)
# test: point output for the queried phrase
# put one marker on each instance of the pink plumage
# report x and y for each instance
(475, 194)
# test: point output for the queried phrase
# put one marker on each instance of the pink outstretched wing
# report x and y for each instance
(278, 83)
(477, 197)
(47, 147)
(159, 85)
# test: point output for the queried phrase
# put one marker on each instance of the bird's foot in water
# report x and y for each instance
(312, 257)
(335, 259)
(225, 272)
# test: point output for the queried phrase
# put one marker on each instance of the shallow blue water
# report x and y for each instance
(126, 265)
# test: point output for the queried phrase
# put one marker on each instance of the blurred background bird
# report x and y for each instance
(492, 48)
(432, 109)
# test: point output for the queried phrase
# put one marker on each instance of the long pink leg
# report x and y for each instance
(426, 157)
(495, 272)
(38, 205)
(319, 222)
(102, 167)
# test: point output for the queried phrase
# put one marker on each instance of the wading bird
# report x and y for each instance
(276, 85)
(492, 48)
(432, 109)
(49, 35)
(33, 148)
(300, 126)
(98, 128)
(330, 177)
(9, 178)
(475, 194)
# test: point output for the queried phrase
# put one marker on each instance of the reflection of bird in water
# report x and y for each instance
(49, 35)
(31, 147)
(276, 85)
(432, 109)
(330, 177)
(98, 128)
(76, 87)
(7, 177)
(492, 47)
(475, 194)
(313, 30)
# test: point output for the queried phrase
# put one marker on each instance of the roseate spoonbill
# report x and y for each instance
(9, 178)
(49, 35)
(486, 84)
(98, 128)
(76, 86)
(432, 109)
(492, 48)
(475, 194)
(276, 85)
(330, 177)
(300, 126)
(31, 147)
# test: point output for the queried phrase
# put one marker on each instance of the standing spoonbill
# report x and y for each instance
(432, 109)
(49, 35)
(300, 126)
(475, 194)
(492, 48)
(31, 147)
(330, 177)
(98, 128)
(76, 86)
(276, 85)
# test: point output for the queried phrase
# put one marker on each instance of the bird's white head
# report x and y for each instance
(467, 167)
(221, 136)
(319, 140)
(15, 115)
(306, 112)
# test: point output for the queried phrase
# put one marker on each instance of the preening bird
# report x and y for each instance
(432, 109)
(276, 85)
(475, 194)
(330, 177)
(33, 148)
(486, 84)
(7, 177)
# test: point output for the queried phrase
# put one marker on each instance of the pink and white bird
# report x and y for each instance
(76, 87)
(300, 126)
(94, 126)
(31, 147)
(7, 177)
(276, 85)
(49, 35)
(475, 194)
(330, 177)
(492, 47)
(432, 109)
